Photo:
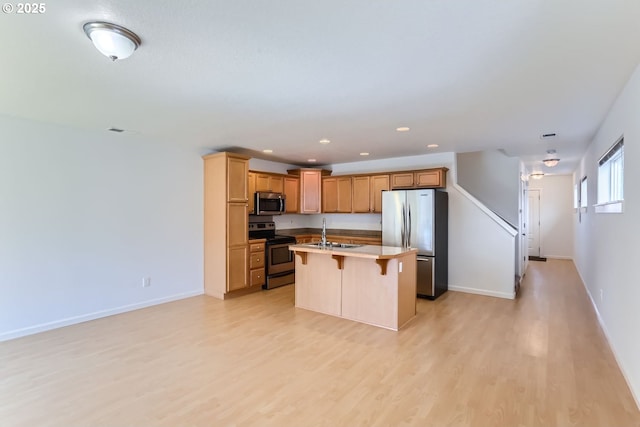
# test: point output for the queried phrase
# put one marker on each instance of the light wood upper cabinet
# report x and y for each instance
(237, 174)
(431, 178)
(379, 183)
(336, 194)
(277, 184)
(344, 194)
(367, 193)
(291, 190)
(310, 189)
(361, 194)
(269, 182)
(402, 180)
(263, 182)
(427, 178)
(329, 195)
(310, 195)
(251, 185)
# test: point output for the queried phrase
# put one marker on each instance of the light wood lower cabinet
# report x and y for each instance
(237, 268)
(303, 238)
(315, 238)
(256, 262)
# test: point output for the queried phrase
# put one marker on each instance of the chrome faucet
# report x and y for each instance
(324, 232)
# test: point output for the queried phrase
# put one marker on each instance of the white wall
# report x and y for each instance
(606, 245)
(556, 215)
(481, 250)
(494, 179)
(84, 216)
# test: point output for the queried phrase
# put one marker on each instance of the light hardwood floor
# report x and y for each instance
(466, 360)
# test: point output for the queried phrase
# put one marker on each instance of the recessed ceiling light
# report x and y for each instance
(267, 151)
(364, 154)
(432, 146)
(324, 141)
(402, 129)
(311, 160)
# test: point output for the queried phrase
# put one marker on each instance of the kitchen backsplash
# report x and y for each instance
(341, 221)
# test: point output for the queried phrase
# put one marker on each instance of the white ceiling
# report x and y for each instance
(465, 74)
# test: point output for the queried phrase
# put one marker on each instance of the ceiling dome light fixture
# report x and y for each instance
(113, 41)
(537, 175)
(550, 162)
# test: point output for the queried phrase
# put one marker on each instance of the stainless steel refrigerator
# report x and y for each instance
(419, 219)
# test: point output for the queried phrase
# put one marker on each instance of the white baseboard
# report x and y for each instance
(30, 330)
(506, 295)
(558, 257)
(634, 393)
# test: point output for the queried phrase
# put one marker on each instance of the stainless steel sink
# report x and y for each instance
(330, 245)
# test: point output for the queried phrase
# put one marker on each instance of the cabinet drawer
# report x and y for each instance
(256, 247)
(257, 277)
(257, 260)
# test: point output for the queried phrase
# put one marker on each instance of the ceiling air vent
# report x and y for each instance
(115, 130)
(547, 135)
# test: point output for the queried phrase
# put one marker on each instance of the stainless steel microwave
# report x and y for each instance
(269, 203)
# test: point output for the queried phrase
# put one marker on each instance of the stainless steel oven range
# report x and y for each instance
(279, 262)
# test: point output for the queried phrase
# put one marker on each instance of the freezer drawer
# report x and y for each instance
(426, 272)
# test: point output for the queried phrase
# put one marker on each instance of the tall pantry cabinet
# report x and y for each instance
(226, 241)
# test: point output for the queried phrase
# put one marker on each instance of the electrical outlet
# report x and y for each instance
(146, 282)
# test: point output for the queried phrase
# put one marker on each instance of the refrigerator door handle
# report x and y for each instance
(403, 225)
(409, 227)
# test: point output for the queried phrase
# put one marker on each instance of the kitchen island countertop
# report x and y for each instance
(360, 251)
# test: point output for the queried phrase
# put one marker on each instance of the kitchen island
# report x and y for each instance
(366, 283)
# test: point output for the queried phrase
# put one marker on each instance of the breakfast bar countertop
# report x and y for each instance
(359, 251)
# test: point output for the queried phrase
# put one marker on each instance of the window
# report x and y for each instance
(583, 193)
(611, 179)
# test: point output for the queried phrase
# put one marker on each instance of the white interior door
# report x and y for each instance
(534, 223)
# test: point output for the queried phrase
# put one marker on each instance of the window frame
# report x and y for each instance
(610, 190)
